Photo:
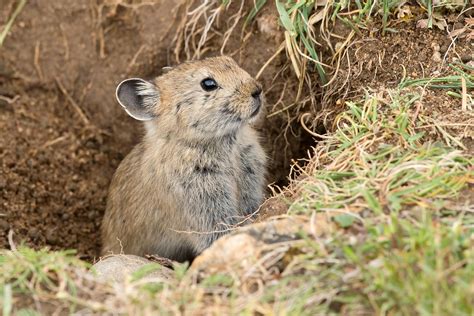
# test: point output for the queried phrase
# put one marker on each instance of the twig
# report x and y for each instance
(9, 24)
(9, 100)
(73, 103)
(54, 141)
(464, 94)
(101, 43)
(279, 50)
(65, 42)
(10, 241)
(303, 124)
(134, 59)
(36, 61)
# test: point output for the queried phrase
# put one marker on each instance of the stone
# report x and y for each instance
(4, 226)
(251, 249)
(118, 268)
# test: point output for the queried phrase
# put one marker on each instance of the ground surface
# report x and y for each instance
(63, 135)
(55, 165)
(378, 220)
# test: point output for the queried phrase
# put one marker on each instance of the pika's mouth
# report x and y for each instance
(256, 110)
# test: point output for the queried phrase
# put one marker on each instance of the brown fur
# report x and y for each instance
(198, 170)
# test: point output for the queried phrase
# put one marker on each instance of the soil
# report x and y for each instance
(63, 135)
(56, 164)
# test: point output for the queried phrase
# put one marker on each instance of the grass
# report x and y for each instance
(463, 72)
(26, 274)
(307, 27)
(395, 237)
(377, 175)
(392, 161)
(6, 28)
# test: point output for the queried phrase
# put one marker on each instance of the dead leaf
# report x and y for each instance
(457, 32)
(315, 18)
(470, 36)
(437, 21)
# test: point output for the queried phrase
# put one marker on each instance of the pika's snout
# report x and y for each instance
(256, 93)
(256, 101)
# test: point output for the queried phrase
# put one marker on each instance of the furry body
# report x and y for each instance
(198, 170)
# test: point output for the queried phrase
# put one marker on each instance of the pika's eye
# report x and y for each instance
(209, 84)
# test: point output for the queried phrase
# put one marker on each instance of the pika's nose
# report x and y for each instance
(256, 94)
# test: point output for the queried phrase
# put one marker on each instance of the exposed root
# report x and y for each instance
(73, 103)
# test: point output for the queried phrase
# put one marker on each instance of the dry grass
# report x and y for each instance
(308, 28)
(6, 28)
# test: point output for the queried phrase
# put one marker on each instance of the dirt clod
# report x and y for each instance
(4, 226)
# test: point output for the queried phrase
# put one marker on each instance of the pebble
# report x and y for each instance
(118, 268)
(34, 233)
(51, 238)
(4, 226)
(466, 58)
(65, 216)
(458, 25)
(444, 48)
(4, 105)
(436, 57)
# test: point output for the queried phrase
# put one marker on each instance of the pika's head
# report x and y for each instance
(211, 97)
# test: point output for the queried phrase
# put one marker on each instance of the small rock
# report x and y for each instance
(466, 58)
(3, 183)
(444, 48)
(118, 267)
(5, 106)
(4, 226)
(51, 238)
(273, 206)
(246, 248)
(34, 233)
(269, 27)
(458, 25)
(31, 163)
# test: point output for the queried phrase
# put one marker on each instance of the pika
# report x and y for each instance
(199, 168)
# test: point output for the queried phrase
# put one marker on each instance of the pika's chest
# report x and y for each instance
(196, 163)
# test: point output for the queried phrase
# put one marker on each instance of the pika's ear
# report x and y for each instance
(139, 98)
